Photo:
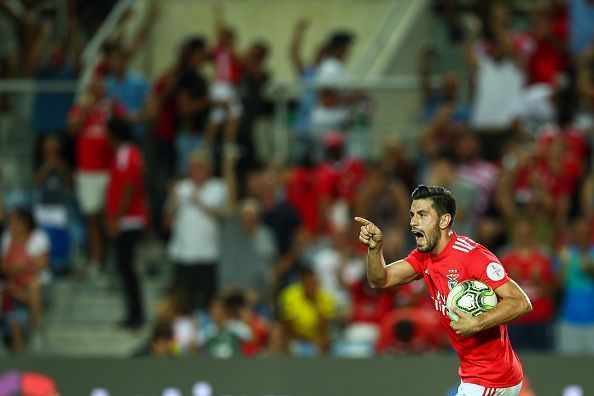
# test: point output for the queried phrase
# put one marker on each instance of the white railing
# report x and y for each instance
(389, 37)
(377, 88)
(90, 54)
(31, 86)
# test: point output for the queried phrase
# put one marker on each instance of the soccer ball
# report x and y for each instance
(470, 296)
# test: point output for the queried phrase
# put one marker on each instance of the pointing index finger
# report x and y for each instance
(362, 221)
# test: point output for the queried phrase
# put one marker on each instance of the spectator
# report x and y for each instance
(25, 252)
(521, 192)
(306, 72)
(303, 191)
(161, 343)
(290, 235)
(334, 261)
(576, 330)
(9, 50)
(397, 163)
(499, 82)
(50, 109)
(227, 108)
(278, 341)
(127, 215)
(224, 338)
(255, 77)
(531, 266)
(330, 112)
(587, 199)
(585, 77)
(383, 200)
(117, 39)
(410, 331)
(339, 176)
(472, 166)
(54, 189)
(194, 211)
(250, 262)
(447, 94)
(162, 107)
(192, 101)
(307, 311)
(581, 25)
(440, 134)
(176, 310)
(87, 125)
(444, 172)
(128, 88)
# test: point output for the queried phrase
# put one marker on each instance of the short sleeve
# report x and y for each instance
(415, 259)
(38, 244)
(484, 266)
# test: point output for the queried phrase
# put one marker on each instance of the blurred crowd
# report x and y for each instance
(264, 255)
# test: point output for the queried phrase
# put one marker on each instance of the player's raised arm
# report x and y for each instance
(380, 275)
(513, 303)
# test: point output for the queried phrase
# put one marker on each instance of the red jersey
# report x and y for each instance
(486, 358)
(93, 152)
(127, 167)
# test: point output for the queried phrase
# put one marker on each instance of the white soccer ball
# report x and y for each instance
(471, 296)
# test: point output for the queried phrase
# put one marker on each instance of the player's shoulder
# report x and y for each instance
(464, 244)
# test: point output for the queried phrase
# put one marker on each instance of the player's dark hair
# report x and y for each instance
(442, 200)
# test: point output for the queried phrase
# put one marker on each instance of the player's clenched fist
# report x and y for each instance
(370, 234)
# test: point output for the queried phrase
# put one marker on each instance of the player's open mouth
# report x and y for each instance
(419, 236)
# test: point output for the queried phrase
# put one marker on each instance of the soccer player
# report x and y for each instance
(488, 364)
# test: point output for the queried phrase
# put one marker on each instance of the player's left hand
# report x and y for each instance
(466, 324)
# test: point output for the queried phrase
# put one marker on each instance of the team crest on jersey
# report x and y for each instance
(452, 278)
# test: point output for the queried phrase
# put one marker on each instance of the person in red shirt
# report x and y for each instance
(87, 125)
(532, 268)
(127, 214)
(488, 364)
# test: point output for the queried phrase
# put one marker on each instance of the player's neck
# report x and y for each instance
(446, 236)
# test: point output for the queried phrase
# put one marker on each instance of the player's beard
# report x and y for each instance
(432, 239)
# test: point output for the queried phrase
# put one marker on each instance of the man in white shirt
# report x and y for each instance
(194, 211)
(331, 112)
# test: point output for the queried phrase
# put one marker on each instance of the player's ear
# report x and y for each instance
(445, 221)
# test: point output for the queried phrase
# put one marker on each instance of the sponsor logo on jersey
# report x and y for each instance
(495, 271)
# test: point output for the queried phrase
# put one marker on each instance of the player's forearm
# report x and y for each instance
(505, 311)
(377, 275)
